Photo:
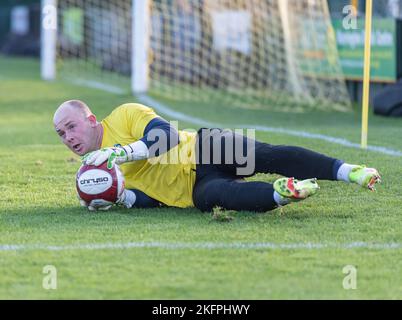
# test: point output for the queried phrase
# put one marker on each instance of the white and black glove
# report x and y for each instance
(96, 204)
(127, 199)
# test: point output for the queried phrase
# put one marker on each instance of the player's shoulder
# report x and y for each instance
(131, 112)
(132, 108)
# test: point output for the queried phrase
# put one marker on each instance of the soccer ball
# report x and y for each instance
(98, 185)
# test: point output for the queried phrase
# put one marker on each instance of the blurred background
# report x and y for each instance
(20, 27)
(104, 40)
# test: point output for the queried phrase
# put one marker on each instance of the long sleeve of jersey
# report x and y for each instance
(144, 201)
(160, 137)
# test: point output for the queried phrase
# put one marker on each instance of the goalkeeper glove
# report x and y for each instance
(127, 199)
(96, 204)
(111, 155)
(135, 151)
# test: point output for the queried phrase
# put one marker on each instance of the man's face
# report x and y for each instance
(76, 131)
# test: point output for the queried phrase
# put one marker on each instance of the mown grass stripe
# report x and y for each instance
(202, 246)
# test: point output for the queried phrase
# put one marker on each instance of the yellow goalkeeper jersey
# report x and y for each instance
(168, 178)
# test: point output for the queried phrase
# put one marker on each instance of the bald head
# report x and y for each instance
(77, 107)
(77, 127)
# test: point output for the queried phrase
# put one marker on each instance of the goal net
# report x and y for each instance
(268, 54)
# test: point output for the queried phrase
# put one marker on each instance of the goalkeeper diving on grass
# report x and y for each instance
(164, 166)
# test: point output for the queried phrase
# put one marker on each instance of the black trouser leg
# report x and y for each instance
(233, 194)
(218, 184)
(232, 153)
(295, 162)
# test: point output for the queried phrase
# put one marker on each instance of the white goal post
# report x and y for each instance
(140, 39)
(48, 39)
(265, 54)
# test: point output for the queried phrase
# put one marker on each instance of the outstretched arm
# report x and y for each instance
(142, 200)
(159, 137)
(130, 198)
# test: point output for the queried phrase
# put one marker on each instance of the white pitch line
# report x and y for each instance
(202, 246)
(99, 85)
(203, 123)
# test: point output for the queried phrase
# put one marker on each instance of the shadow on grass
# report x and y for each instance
(74, 218)
(73, 215)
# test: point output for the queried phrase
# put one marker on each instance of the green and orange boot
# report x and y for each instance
(296, 190)
(366, 177)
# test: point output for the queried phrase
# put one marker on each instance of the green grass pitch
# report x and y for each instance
(185, 254)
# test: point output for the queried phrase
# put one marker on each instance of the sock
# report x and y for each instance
(280, 200)
(129, 198)
(344, 171)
